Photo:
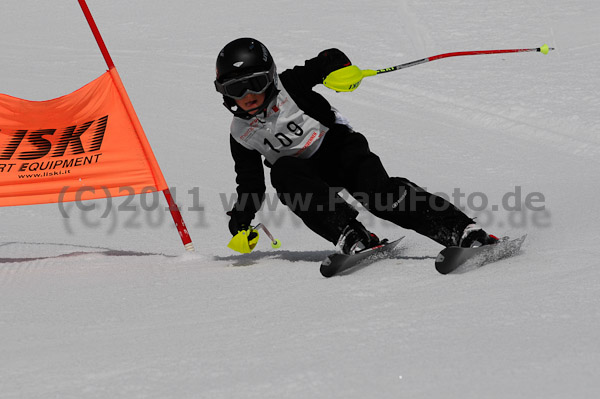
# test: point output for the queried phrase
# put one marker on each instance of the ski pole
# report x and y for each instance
(544, 50)
(275, 243)
(245, 240)
(349, 78)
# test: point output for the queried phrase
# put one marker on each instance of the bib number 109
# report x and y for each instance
(284, 139)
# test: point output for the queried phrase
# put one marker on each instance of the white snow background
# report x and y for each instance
(112, 307)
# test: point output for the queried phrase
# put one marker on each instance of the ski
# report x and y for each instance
(337, 263)
(457, 259)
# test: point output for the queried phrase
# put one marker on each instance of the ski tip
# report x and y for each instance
(452, 258)
(326, 272)
(326, 269)
(338, 263)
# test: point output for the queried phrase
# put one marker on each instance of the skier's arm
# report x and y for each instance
(300, 80)
(315, 70)
(250, 186)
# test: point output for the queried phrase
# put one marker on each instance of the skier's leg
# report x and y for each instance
(402, 202)
(300, 186)
(395, 199)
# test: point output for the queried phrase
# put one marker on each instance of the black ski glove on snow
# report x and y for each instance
(239, 221)
(333, 59)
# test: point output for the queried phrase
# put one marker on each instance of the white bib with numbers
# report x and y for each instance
(285, 131)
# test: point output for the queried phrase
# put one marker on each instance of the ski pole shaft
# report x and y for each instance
(349, 78)
(275, 243)
(544, 49)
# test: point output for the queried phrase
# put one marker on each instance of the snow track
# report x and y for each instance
(115, 309)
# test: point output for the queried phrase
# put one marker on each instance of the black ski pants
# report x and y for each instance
(310, 187)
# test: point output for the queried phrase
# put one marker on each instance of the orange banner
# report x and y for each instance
(85, 145)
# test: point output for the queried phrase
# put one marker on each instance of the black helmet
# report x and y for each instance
(245, 66)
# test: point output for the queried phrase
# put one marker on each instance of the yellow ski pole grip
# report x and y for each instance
(242, 242)
(369, 72)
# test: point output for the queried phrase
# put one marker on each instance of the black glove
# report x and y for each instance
(239, 221)
(333, 59)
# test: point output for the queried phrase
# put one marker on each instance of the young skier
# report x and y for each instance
(313, 153)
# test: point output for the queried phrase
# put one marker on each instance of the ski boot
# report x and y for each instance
(474, 236)
(356, 238)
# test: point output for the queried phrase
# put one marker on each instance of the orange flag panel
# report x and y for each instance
(57, 150)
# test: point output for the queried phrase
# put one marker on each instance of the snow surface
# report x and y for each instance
(111, 307)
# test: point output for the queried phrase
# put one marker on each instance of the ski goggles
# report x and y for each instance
(255, 83)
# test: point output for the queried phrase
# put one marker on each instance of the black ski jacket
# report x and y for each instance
(299, 82)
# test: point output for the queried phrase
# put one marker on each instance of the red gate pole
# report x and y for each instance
(173, 208)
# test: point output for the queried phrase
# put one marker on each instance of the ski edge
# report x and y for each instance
(327, 271)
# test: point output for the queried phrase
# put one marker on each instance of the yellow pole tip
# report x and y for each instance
(545, 49)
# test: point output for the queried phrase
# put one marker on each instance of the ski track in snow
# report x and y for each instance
(489, 117)
(114, 309)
